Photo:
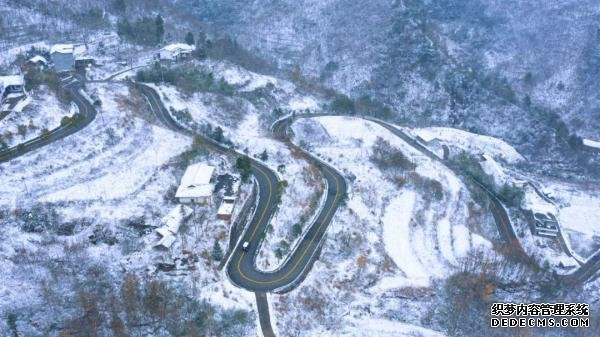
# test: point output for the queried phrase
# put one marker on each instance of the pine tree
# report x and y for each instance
(189, 38)
(217, 252)
(218, 134)
(160, 28)
(244, 165)
(264, 156)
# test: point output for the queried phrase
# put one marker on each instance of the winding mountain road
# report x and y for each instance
(86, 110)
(242, 270)
(241, 267)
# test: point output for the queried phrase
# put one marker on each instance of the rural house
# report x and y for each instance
(175, 52)
(10, 85)
(196, 185)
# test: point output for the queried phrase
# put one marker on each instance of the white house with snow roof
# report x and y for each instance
(196, 185)
(175, 52)
(13, 84)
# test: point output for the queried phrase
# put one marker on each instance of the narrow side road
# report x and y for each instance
(262, 305)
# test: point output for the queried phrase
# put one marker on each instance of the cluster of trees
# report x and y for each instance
(68, 120)
(364, 105)
(93, 18)
(188, 79)
(389, 158)
(469, 165)
(145, 31)
(142, 307)
(283, 247)
(184, 116)
(36, 77)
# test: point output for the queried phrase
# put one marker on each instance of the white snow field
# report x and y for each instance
(470, 142)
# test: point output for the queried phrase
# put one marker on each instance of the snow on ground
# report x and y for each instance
(303, 104)
(397, 221)
(121, 183)
(8, 55)
(470, 142)
(44, 112)
(110, 159)
(304, 186)
(579, 215)
(382, 328)
(496, 156)
(389, 237)
(434, 243)
(111, 180)
(244, 79)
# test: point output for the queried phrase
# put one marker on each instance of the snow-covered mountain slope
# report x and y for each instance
(389, 239)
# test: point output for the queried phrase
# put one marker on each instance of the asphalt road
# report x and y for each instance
(262, 305)
(241, 267)
(86, 109)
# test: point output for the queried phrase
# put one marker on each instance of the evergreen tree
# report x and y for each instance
(264, 156)
(244, 165)
(189, 38)
(218, 134)
(217, 252)
(160, 28)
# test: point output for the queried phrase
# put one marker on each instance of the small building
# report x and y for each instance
(171, 223)
(175, 52)
(196, 185)
(63, 57)
(226, 209)
(545, 224)
(37, 61)
(11, 85)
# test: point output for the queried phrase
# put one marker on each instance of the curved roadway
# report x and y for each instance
(86, 109)
(241, 267)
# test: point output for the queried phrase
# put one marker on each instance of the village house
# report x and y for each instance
(196, 185)
(11, 85)
(175, 52)
(226, 208)
(37, 61)
(64, 56)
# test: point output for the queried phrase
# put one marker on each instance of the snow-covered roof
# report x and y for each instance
(172, 221)
(196, 182)
(591, 143)
(62, 48)
(166, 242)
(11, 80)
(179, 47)
(226, 207)
(38, 58)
